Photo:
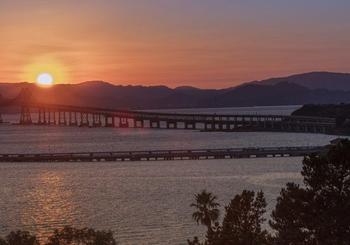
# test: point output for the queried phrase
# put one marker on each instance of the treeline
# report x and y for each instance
(67, 235)
(317, 213)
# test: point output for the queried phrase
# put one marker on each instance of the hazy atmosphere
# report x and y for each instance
(155, 122)
(203, 43)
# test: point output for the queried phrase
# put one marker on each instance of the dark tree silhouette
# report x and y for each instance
(243, 219)
(71, 236)
(241, 224)
(290, 214)
(207, 213)
(318, 213)
(19, 238)
(195, 241)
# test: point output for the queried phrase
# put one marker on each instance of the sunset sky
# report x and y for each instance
(203, 43)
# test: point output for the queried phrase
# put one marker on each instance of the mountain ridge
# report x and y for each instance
(314, 80)
(292, 90)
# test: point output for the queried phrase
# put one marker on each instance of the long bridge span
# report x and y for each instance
(66, 115)
(166, 155)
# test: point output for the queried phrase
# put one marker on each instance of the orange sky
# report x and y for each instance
(203, 43)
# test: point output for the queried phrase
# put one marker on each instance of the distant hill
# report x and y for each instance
(293, 90)
(335, 111)
(314, 80)
(279, 94)
(341, 112)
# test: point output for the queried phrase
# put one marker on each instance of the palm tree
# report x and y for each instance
(207, 211)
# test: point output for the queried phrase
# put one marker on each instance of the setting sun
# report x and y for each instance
(45, 79)
(45, 71)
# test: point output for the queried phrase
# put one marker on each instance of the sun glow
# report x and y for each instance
(45, 79)
(45, 72)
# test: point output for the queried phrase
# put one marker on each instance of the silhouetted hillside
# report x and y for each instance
(335, 111)
(279, 94)
(315, 80)
(340, 112)
(264, 93)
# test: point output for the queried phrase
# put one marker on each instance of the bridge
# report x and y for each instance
(34, 113)
(165, 155)
(66, 115)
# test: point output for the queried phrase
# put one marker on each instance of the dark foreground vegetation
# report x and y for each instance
(316, 213)
(65, 236)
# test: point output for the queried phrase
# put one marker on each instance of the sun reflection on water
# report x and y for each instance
(50, 204)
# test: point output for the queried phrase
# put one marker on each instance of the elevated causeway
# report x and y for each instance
(165, 155)
(64, 115)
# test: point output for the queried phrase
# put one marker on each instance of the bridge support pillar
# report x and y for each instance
(208, 126)
(96, 120)
(123, 122)
(73, 119)
(109, 121)
(190, 125)
(26, 118)
(84, 119)
(221, 127)
(62, 118)
(52, 118)
(171, 125)
(45, 117)
(138, 123)
(154, 124)
(40, 116)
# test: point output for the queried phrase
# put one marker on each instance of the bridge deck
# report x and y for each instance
(175, 115)
(164, 155)
(66, 115)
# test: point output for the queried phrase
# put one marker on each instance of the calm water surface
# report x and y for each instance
(142, 202)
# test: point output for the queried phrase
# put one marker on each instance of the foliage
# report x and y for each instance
(243, 219)
(71, 236)
(195, 241)
(290, 214)
(318, 213)
(207, 211)
(66, 236)
(241, 224)
(19, 238)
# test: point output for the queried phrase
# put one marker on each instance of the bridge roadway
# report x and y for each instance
(165, 155)
(65, 115)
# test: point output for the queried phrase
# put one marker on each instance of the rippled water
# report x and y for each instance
(142, 202)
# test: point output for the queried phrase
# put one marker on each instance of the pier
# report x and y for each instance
(165, 155)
